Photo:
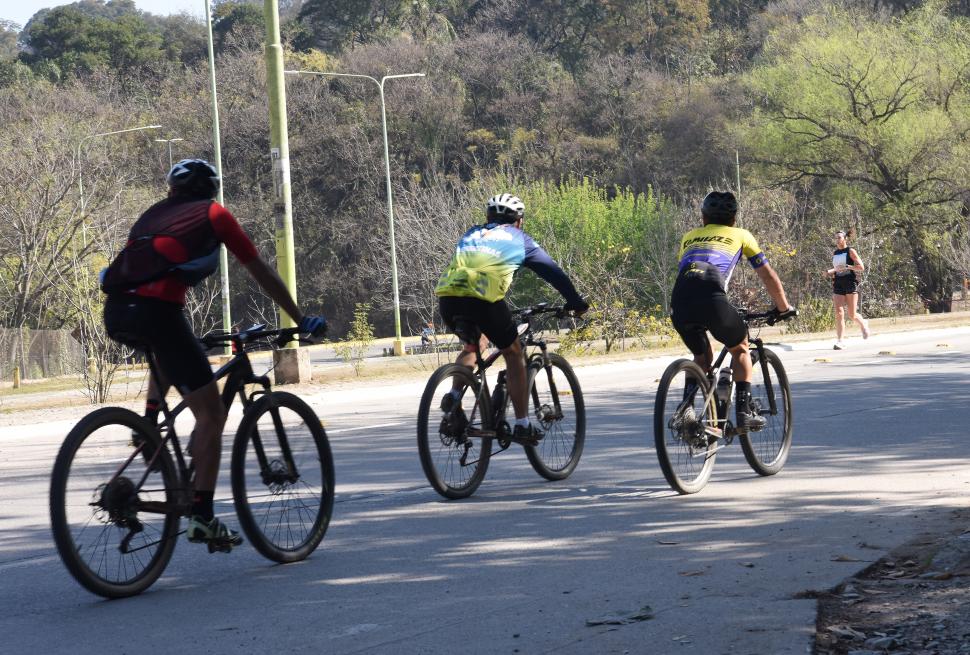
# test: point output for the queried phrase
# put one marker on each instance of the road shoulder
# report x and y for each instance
(913, 600)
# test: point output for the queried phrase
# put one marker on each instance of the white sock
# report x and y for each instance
(522, 422)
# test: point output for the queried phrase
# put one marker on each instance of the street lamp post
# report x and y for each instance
(84, 233)
(398, 342)
(169, 142)
(217, 151)
(80, 183)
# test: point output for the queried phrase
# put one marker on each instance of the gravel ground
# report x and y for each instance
(914, 601)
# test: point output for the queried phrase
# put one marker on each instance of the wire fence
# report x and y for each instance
(39, 353)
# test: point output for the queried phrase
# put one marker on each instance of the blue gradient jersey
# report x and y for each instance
(713, 251)
(486, 258)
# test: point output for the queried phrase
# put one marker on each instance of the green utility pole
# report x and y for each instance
(217, 150)
(290, 364)
(280, 153)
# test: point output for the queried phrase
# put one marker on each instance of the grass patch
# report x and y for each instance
(46, 385)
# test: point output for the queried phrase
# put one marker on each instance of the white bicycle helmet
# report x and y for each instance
(504, 208)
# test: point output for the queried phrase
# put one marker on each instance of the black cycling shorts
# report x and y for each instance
(844, 285)
(493, 318)
(701, 309)
(139, 322)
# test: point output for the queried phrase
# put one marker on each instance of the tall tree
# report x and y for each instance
(879, 107)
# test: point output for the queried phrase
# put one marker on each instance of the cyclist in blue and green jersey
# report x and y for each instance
(473, 287)
(708, 257)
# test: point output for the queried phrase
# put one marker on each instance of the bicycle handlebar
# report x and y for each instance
(769, 317)
(543, 308)
(250, 334)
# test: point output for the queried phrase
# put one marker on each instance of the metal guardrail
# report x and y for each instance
(426, 349)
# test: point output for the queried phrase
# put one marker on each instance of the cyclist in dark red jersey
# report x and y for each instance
(172, 246)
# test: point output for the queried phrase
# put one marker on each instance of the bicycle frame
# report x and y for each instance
(756, 345)
(527, 339)
(238, 372)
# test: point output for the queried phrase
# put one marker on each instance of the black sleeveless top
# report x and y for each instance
(844, 256)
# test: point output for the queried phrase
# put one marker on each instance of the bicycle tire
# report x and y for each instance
(686, 469)
(99, 441)
(281, 535)
(767, 450)
(441, 452)
(556, 456)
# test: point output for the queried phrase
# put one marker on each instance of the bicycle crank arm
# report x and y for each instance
(710, 453)
(716, 433)
(153, 507)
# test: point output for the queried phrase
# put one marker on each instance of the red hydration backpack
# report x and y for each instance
(173, 237)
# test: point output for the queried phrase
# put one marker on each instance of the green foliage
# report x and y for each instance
(240, 20)
(618, 325)
(75, 41)
(878, 105)
(8, 40)
(84, 36)
(359, 339)
(620, 246)
(337, 23)
(815, 314)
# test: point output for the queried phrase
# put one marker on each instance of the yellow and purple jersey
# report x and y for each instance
(486, 258)
(713, 251)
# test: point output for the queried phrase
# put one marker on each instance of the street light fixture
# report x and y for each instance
(398, 343)
(80, 188)
(80, 183)
(169, 142)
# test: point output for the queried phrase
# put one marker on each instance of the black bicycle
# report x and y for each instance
(121, 485)
(691, 420)
(456, 445)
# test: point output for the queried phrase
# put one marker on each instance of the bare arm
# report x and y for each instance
(858, 266)
(773, 285)
(273, 285)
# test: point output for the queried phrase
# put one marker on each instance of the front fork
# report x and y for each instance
(544, 363)
(758, 353)
(268, 474)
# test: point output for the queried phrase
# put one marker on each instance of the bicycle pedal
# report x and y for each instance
(524, 442)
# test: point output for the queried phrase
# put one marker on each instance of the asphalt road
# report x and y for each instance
(879, 456)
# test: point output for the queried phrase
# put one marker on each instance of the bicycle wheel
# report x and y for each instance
(560, 415)
(679, 423)
(282, 477)
(101, 488)
(454, 454)
(767, 449)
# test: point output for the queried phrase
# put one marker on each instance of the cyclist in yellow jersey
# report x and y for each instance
(473, 287)
(708, 256)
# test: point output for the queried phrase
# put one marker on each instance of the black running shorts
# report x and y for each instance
(139, 322)
(493, 318)
(697, 309)
(844, 285)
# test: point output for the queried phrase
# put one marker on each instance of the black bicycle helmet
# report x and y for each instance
(504, 208)
(720, 207)
(194, 177)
